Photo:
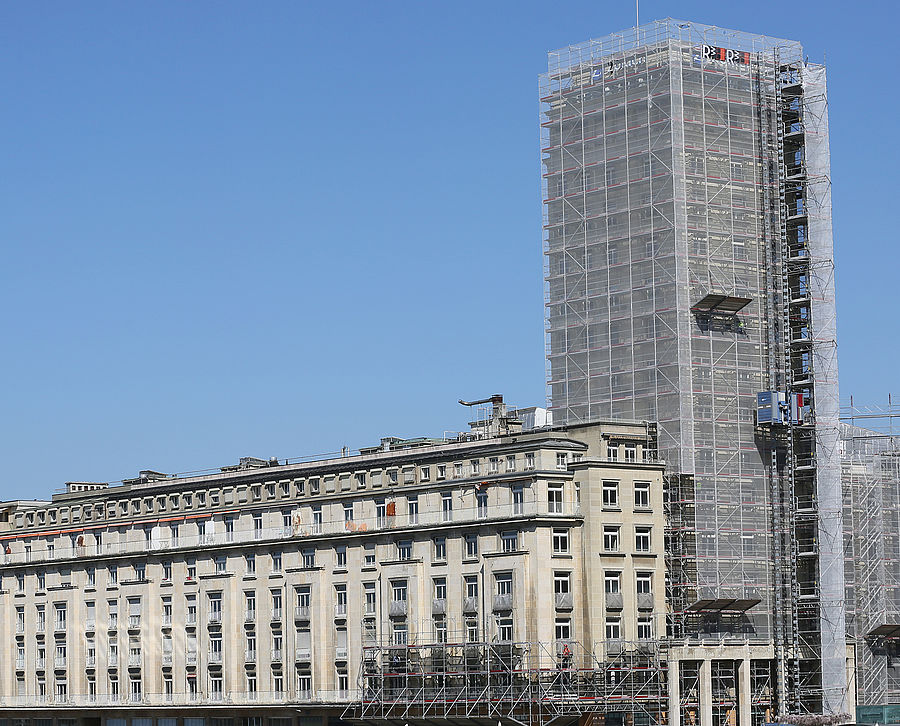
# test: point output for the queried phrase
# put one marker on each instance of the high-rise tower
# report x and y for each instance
(689, 270)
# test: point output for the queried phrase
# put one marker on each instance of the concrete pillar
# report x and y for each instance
(706, 717)
(744, 694)
(674, 694)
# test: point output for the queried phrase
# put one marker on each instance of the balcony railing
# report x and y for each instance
(249, 656)
(214, 657)
(301, 613)
(250, 616)
(276, 614)
(277, 655)
(340, 610)
(135, 660)
(459, 514)
(99, 701)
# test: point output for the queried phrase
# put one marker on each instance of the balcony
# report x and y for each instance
(40, 627)
(214, 618)
(502, 603)
(249, 656)
(134, 622)
(167, 659)
(135, 660)
(20, 664)
(89, 626)
(41, 663)
(214, 657)
(60, 661)
(277, 655)
(340, 653)
(112, 623)
(191, 619)
(563, 600)
(614, 601)
(398, 609)
(301, 613)
(470, 605)
(20, 627)
(276, 615)
(303, 655)
(645, 601)
(340, 611)
(166, 621)
(59, 626)
(439, 606)
(191, 657)
(250, 616)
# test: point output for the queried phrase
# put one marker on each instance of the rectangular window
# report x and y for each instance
(458, 470)
(631, 452)
(529, 461)
(440, 588)
(642, 495)
(369, 593)
(424, 473)
(446, 507)
(509, 540)
(380, 513)
(562, 461)
(340, 557)
(644, 583)
(561, 583)
(504, 629)
(610, 493)
(518, 499)
(471, 582)
(369, 554)
(440, 548)
(511, 463)
(563, 629)
(613, 628)
(560, 541)
(348, 512)
(412, 509)
(642, 539)
(481, 499)
(309, 558)
(644, 628)
(257, 525)
(493, 465)
(610, 538)
(250, 563)
(398, 590)
(441, 471)
(404, 549)
(612, 582)
(555, 498)
(612, 452)
(476, 467)
(398, 636)
(471, 545)
(503, 582)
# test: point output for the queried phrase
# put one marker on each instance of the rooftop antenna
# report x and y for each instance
(637, 16)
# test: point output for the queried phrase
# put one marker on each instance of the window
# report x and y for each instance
(476, 467)
(562, 583)
(440, 629)
(509, 540)
(612, 452)
(563, 629)
(471, 630)
(112, 575)
(610, 493)
(257, 525)
(398, 636)
(613, 628)
(504, 629)
(441, 471)
(250, 562)
(446, 507)
(440, 588)
(309, 558)
(340, 557)
(471, 545)
(610, 538)
(215, 607)
(317, 519)
(630, 452)
(642, 539)
(277, 601)
(471, 582)
(458, 470)
(644, 583)
(191, 609)
(340, 599)
(560, 541)
(642, 495)
(191, 570)
(493, 465)
(529, 461)
(229, 530)
(304, 685)
(91, 576)
(167, 610)
(481, 499)
(215, 688)
(503, 583)
(392, 476)
(369, 554)
(424, 473)
(518, 499)
(167, 571)
(398, 590)
(562, 461)
(221, 562)
(369, 595)
(412, 509)
(555, 498)
(612, 582)
(60, 616)
(644, 628)
(404, 549)
(440, 548)
(380, 513)
(348, 512)
(361, 480)
(511, 463)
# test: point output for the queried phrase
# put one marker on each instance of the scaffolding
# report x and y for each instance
(529, 683)
(870, 453)
(685, 164)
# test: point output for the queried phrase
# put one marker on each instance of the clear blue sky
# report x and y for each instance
(278, 228)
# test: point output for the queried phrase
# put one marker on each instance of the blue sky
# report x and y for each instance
(275, 229)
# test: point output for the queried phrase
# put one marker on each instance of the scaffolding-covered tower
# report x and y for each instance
(689, 269)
